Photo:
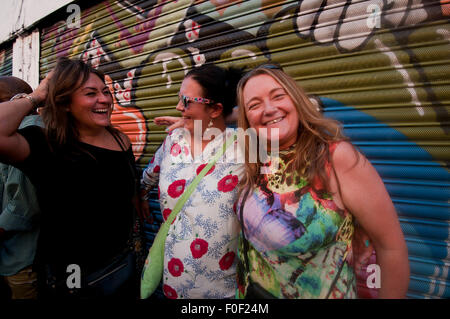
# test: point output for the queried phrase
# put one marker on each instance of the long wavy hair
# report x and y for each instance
(68, 76)
(315, 132)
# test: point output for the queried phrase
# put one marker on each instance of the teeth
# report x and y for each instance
(274, 121)
(100, 111)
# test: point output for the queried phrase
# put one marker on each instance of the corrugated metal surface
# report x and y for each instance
(6, 61)
(380, 67)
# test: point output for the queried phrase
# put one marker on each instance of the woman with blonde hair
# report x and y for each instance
(298, 220)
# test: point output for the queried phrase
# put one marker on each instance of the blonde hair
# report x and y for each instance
(315, 132)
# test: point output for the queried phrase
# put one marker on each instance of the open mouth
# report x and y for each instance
(274, 121)
(101, 111)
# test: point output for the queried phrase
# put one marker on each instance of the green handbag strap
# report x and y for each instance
(197, 180)
(153, 270)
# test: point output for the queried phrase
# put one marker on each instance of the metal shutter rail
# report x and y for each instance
(384, 74)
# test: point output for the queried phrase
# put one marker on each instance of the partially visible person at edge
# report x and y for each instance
(299, 218)
(200, 249)
(19, 214)
(83, 170)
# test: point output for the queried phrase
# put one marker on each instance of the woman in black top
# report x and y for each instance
(83, 170)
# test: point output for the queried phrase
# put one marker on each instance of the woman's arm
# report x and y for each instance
(365, 195)
(150, 179)
(172, 122)
(13, 146)
(150, 176)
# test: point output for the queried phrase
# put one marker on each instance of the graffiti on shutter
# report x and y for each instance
(381, 67)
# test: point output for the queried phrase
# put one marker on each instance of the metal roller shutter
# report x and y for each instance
(6, 61)
(381, 67)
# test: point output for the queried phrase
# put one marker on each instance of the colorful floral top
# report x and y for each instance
(298, 237)
(201, 246)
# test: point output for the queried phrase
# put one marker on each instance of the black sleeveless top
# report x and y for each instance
(86, 201)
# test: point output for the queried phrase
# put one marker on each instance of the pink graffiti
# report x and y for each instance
(137, 36)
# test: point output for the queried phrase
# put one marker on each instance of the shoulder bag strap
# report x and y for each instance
(192, 186)
(118, 140)
(153, 271)
(131, 165)
(245, 242)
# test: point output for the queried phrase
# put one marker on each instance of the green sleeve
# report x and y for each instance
(19, 205)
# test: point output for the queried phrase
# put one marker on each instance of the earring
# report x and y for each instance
(210, 124)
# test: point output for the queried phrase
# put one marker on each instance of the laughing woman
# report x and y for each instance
(85, 180)
(298, 220)
(200, 249)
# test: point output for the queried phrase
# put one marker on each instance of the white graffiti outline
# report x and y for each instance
(403, 72)
(243, 52)
(199, 59)
(317, 20)
(166, 58)
(94, 52)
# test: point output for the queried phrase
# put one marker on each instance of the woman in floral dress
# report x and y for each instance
(299, 218)
(200, 249)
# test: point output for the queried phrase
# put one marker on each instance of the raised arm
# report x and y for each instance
(150, 176)
(13, 146)
(364, 194)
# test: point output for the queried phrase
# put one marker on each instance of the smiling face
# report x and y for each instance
(91, 104)
(195, 110)
(267, 105)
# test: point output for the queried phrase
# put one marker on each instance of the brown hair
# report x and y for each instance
(315, 132)
(68, 76)
(218, 84)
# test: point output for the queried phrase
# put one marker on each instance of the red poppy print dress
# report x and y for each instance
(200, 251)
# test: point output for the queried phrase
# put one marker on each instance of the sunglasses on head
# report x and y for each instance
(186, 99)
(251, 72)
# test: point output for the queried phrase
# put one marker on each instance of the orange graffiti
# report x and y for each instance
(128, 120)
(270, 13)
(445, 6)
